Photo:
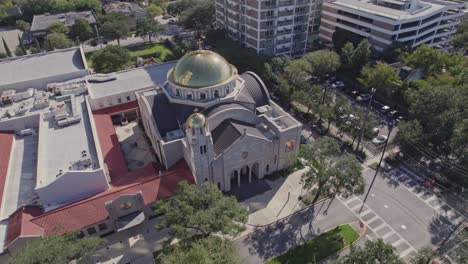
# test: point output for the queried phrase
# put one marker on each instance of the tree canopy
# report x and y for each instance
(383, 77)
(432, 61)
(210, 250)
(81, 30)
(329, 171)
(57, 41)
(354, 58)
(58, 27)
(111, 58)
(460, 40)
(154, 10)
(200, 211)
(115, 26)
(58, 249)
(148, 27)
(373, 252)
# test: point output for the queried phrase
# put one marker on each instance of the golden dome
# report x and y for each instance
(196, 120)
(201, 68)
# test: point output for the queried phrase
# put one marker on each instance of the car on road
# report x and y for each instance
(338, 85)
(379, 140)
(363, 97)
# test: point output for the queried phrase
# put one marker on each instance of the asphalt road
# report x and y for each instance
(416, 221)
(267, 242)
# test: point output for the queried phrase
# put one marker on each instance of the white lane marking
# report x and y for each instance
(407, 251)
(373, 219)
(369, 237)
(385, 206)
(389, 234)
(356, 206)
(380, 227)
(392, 231)
(398, 242)
(363, 213)
(403, 227)
(349, 201)
(430, 199)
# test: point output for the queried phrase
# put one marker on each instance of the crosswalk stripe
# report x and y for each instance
(398, 242)
(388, 234)
(406, 252)
(372, 219)
(379, 227)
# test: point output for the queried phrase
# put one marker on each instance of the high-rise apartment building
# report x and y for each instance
(412, 22)
(276, 27)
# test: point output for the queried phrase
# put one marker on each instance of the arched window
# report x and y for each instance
(219, 185)
(267, 168)
(189, 96)
(275, 160)
(216, 93)
(227, 90)
(202, 96)
(177, 92)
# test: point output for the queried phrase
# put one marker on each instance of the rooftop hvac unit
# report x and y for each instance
(23, 96)
(68, 121)
(25, 132)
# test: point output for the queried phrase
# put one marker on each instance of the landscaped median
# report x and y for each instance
(320, 247)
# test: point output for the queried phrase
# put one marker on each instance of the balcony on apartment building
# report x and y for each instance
(283, 50)
(233, 16)
(283, 40)
(302, 2)
(284, 32)
(282, 3)
(289, 12)
(286, 22)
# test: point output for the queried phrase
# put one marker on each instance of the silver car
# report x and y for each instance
(379, 140)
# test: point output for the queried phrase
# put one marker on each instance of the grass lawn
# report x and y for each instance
(319, 247)
(157, 50)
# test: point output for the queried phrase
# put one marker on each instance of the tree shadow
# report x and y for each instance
(439, 228)
(277, 238)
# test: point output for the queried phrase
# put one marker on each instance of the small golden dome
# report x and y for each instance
(196, 120)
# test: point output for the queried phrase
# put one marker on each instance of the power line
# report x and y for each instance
(433, 153)
(432, 156)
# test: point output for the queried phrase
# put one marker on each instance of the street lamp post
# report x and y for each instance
(365, 119)
(390, 127)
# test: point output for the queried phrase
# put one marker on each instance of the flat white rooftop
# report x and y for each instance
(369, 6)
(62, 148)
(130, 80)
(40, 66)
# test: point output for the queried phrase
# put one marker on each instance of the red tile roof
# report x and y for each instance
(92, 210)
(20, 224)
(109, 142)
(6, 143)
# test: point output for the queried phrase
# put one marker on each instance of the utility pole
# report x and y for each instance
(361, 134)
(456, 229)
(390, 127)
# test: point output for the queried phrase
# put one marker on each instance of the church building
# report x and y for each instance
(223, 124)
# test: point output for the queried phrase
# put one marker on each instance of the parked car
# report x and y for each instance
(303, 139)
(379, 140)
(376, 130)
(393, 113)
(385, 109)
(363, 97)
(123, 121)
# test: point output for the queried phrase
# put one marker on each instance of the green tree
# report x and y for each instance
(460, 40)
(347, 55)
(6, 48)
(409, 132)
(160, 3)
(37, 46)
(56, 249)
(383, 77)
(154, 10)
(341, 37)
(58, 27)
(320, 63)
(361, 55)
(432, 61)
(210, 250)
(86, 5)
(373, 252)
(179, 6)
(148, 27)
(22, 25)
(57, 41)
(200, 211)
(81, 30)
(19, 52)
(111, 58)
(115, 26)
(329, 171)
(200, 16)
(3, 55)
(393, 53)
